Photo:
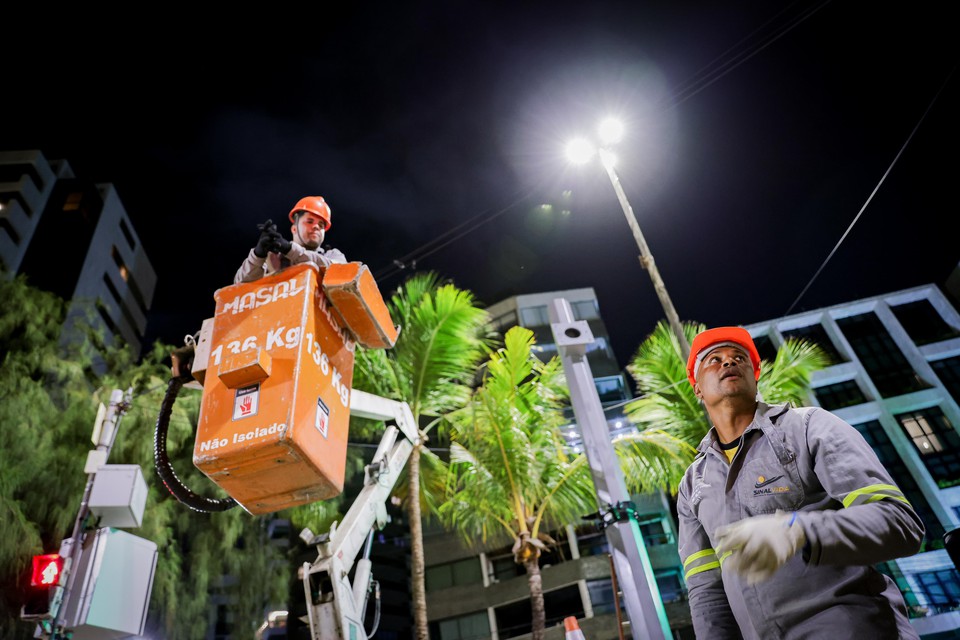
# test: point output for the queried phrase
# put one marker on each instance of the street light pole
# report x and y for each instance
(632, 567)
(646, 258)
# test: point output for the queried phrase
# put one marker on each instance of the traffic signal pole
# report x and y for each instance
(104, 435)
(648, 620)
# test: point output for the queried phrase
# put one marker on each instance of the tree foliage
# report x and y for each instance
(42, 419)
(51, 392)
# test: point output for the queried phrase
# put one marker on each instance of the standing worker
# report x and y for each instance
(783, 513)
(310, 219)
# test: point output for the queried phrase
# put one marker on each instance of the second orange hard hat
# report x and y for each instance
(706, 339)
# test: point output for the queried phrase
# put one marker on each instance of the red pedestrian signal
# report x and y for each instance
(46, 570)
(44, 595)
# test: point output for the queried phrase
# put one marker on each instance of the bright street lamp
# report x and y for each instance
(611, 131)
(580, 151)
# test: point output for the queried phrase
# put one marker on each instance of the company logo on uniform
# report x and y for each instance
(762, 486)
(762, 482)
(246, 402)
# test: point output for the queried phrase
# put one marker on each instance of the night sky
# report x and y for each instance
(756, 132)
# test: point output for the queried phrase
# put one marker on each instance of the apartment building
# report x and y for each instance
(74, 238)
(896, 378)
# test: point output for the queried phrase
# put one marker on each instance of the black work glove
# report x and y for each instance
(267, 241)
(282, 244)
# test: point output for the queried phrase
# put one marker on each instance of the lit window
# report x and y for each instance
(922, 435)
(124, 272)
(72, 203)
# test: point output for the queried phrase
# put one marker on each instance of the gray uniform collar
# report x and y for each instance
(765, 414)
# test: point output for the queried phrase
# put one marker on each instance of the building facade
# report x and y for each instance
(896, 378)
(74, 238)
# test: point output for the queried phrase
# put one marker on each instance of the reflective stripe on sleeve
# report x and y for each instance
(724, 557)
(873, 493)
(699, 562)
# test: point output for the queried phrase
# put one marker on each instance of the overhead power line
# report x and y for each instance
(429, 248)
(698, 83)
(872, 193)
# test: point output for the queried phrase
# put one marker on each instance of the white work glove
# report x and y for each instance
(759, 545)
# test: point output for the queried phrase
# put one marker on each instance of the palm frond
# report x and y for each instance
(443, 336)
(787, 379)
(509, 472)
(653, 460)
(660, 373)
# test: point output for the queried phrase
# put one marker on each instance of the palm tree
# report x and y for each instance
(672, 423)
(442, 339)
(510, 475)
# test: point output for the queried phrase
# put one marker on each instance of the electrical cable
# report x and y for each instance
(162, 461)
(376, 599)
(703, 70)
(740, 58)
(872, 193)
(421, 252)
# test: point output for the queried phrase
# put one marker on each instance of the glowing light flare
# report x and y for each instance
(580, 151)
(611, 131)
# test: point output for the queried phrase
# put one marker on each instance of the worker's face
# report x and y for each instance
(309, 230)
(725, 372)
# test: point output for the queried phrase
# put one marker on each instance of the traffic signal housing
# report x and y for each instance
(45, 592)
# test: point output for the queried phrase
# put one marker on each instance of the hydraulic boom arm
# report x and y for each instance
(335, 609)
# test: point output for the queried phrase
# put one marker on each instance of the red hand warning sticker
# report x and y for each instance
(323, 417)
(246, 402)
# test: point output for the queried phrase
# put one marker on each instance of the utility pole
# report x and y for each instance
(646, 257)
(648, 620)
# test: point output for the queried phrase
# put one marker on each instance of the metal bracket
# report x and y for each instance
(614, 513)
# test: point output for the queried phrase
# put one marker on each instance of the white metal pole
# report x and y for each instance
(648, 620)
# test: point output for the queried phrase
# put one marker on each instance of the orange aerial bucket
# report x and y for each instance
(275, 412)
(355, 295)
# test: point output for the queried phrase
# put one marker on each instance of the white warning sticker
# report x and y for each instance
(246, 402)
(323, 417)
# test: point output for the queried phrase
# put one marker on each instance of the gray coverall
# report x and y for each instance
(809, 461)
(255, 267)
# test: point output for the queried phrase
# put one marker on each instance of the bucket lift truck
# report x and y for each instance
(275, 364)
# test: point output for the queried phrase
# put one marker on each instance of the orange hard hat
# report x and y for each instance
(716, 338)
(315, 205)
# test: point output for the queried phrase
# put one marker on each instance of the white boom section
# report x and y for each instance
(334, 608)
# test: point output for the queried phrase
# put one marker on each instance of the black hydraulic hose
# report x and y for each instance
(162, 461)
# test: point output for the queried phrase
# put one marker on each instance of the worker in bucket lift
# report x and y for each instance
(310, 219)
(784, 512)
